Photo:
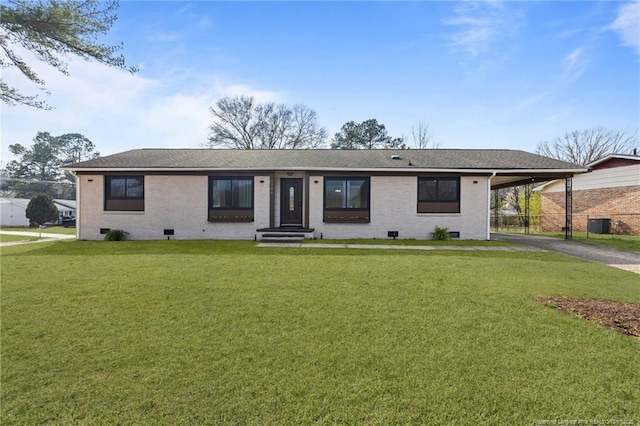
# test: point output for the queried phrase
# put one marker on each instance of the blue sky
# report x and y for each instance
(480, 74)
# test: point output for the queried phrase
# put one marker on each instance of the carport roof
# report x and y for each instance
(509, 165)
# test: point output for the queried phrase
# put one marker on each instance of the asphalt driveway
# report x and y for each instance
(623, 259)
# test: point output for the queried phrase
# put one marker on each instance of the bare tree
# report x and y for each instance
(422, 137)
(305, 131)
(585, 146)
(235, 124)
(241, 123)
(516, 198)
(273, 125)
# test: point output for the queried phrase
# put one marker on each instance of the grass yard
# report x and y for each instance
(7, 238)
(185, 332)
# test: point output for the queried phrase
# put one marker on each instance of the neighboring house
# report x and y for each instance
(242, 194)
(66, 209)
(611, 190)
(13, 211)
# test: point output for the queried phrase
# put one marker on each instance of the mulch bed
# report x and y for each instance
(621, 317)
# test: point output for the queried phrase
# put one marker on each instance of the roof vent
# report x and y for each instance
(395, 157)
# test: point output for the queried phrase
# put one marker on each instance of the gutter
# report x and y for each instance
(544, 186)
(324, 169)
(78, 205)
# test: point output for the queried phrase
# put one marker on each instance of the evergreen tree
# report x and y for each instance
(53, 30)
(41, 209)
(366, 135)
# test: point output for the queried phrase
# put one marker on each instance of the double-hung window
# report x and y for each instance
(346, 199)
(438, 195)
(230, 199)
(124, 193)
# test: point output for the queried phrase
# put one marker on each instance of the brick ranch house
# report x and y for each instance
(610, 190)
(245, 194)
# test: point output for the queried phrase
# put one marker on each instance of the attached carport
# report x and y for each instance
(510, 178)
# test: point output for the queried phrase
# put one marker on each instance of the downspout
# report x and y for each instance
(78, 205)
(489, 205)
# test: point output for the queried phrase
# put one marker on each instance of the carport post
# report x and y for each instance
(496, 211)
(568, 207)
(527, 208)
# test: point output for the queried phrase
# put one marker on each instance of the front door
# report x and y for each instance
(291, 202)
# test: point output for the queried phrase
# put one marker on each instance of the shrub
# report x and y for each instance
(441, 234)
(115, 235)
(41, 209)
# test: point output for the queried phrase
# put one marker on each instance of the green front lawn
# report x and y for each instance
(204, 332)
(8, 238)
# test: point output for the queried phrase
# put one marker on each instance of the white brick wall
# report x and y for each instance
(180, 203)
(171, 202)
(393, 208)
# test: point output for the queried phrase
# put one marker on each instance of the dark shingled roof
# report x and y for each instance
(225, 159)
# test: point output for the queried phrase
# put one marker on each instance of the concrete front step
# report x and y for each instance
(282, 237)
(282, 240)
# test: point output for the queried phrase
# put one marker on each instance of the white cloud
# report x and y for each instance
(194, 12)
(175, 121)
(575, 63)
(118, 110)
(627, 25)
(164, 37)
(204, 23)
(479, 24)
(259, 95)
(531, 101)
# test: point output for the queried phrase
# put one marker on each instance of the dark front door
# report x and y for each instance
(291, 202)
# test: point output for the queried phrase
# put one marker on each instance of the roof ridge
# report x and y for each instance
(325, 149)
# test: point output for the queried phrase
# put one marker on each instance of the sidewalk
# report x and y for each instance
(43, 237)
(401, 247)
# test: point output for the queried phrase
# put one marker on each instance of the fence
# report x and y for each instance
(621, 224)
